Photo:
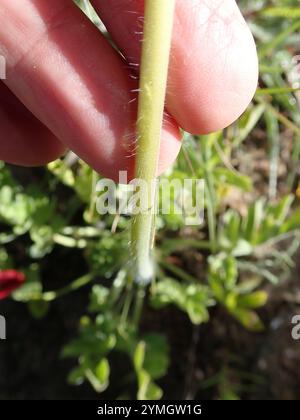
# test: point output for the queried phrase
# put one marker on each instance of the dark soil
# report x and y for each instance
(209, 361)
(204, 359)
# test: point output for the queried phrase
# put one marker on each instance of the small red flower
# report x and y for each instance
(10, 280)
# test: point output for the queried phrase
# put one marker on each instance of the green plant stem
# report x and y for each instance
(75, 285)
(126, 307)
(172, 245)
(93, 198)
(177, 271)
(153, 80)
(139, 301)
(281, 117)
(273, 133)
(210, 199)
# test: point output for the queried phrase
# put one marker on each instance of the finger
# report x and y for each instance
(66, 73)
(213, 70)
(24, 140)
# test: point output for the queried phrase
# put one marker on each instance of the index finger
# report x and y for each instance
(213, 69)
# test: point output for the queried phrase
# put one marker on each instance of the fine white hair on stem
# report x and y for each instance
(132, 101)
(131, 146)
(131, 12)
(138, 90)
(153, 81)
(132, 76)
(134, 64)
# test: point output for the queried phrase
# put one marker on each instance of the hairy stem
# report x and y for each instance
(153, 80)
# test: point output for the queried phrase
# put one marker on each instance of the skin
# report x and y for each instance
(67, 88)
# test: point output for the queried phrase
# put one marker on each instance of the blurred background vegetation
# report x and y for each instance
(216, 323)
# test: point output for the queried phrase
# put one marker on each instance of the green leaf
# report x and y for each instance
(249, 285)
(242, 249)
(223, 269)
(153, 392)
(42, 237)
(274, 218)
(147, 390)
(62, 172)
(229, 395)
(249, 319)
(196, 304)
(76, 376)
(232, 222)
(276, 41)
(29, 291)
(233, 178)
(190, 298)
(102, 372)
(156, 361)
(253, 220)
(282, 209)
(282, 12)
(98, 299)
(32, 288)
(217, 288)
(231, 301)
(248, 122)
(92, 341)
(253, 300)
(231, 272)
(83, 182)
(276, 90)
(292, 223)
(139, 355)
(96, 383)
(108, 254)
(150, 362)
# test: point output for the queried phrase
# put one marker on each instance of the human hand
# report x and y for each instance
(66, 87)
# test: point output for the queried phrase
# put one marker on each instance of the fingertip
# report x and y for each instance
(214, 79)
(24, 140)
(216, 99)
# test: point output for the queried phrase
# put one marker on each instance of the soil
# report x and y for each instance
(204, 359)
(216, 359)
